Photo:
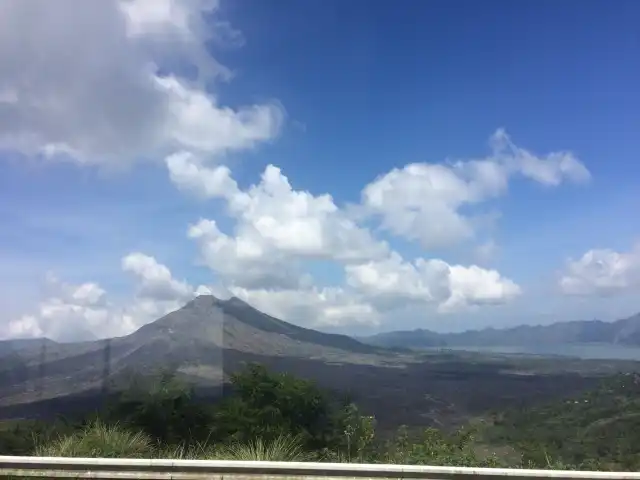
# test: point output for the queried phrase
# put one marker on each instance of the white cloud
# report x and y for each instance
(277, 227)
(424, 201)
(299, 223)
(244, 260)
(155, 279)
(157, 292)
(101, 100)
(189, 174)
(312, 307)
(393, 282)
(550, 170)
(194, 120)
(78, 312)
(27, 326)
(88, 294)
(475, 286)
(72, 312)
(602, 272)
(421, 201)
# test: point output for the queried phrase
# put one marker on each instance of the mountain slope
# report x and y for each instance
(601, 425)
(22, 344)
(206, 340)
(621, 332)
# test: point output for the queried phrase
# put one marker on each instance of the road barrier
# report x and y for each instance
(115, 468)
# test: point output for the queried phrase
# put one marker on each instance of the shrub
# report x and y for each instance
(99, 440)
(280, 449)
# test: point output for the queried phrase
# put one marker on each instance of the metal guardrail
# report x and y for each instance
(107, 468)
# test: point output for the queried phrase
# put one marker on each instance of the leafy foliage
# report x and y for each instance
(268, 405)
(358, 433)
(598, 430)
(164, 409)
(275, 416)
(436, 447)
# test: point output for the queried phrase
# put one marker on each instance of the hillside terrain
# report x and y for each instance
(624, 332)
(599, 428)
(8, 347)
(209, 339)
(204, 340)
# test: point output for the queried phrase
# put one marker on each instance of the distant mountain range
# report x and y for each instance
(622, 332)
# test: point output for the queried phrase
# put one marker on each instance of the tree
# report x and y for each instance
(267, 405)
(164, 409)
(356, 433)
(435, 447)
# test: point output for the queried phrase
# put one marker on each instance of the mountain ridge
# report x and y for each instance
(625, 332)
(206, 340)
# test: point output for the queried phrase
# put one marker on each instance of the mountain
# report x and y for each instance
(209, 339)
(23, 344)
(621, 332)
(204, 341)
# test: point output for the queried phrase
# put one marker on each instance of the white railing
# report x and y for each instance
(113, 468)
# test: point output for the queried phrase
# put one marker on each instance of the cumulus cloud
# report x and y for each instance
(155, 280)
(176, 30)
(394, 282)
(475, 286)
(84, 311)
(602, 272)
(71, 312)
(244, 260)
(278, 229)
(551, 170)
(425, 201)
(189, 174)
(314, 307)
(118, 95)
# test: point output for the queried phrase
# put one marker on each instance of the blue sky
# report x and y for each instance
(338, 96)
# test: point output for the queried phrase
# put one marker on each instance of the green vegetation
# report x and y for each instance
(98, 440)
(273, 416)
(279, 449)
(597, 430)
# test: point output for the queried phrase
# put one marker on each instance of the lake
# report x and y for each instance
(584, 351)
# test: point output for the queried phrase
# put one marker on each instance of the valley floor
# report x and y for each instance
(443, 389)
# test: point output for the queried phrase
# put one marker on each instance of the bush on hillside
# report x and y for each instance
(164, 409)
(269, 405)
